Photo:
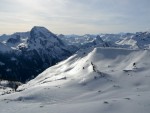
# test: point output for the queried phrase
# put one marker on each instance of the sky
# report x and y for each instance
(75, 16)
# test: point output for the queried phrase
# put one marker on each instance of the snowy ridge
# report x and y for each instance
(15, 40)
(104, 59)
(109, 73)
(139, 40)
(106, 80)
(85, 41)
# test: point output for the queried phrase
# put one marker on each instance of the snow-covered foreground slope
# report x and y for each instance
(100, 80)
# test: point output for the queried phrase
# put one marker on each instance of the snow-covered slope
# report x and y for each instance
(36, 50)
(4, 48)
(95, 80)
(95, 61)
(7, 87)
(140, 40)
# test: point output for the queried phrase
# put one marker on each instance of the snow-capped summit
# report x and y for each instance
(34, 51)
(44, 37)
(98, 40)
(38, 31)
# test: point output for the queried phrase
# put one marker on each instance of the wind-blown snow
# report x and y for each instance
(94, 80)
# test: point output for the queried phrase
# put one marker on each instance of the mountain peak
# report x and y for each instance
(39, 29)
(98, 38)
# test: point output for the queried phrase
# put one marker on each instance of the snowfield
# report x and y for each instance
(94, 80)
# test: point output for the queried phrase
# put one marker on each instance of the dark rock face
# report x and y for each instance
(14, 40)
(24, 67)
(43, 49)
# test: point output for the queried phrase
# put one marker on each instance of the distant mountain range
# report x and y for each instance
(139, 40)
(80, 74)
(24, 55)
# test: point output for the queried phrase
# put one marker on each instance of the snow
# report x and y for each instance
(8, 70)
(2, 64)
(21, 43)
(13, 59)
(4, 48)
(94, 80)
(139, 40)
(80, 40)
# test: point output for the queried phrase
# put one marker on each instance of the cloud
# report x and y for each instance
(65, 16)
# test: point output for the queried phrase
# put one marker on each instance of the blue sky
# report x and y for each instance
(75, 16)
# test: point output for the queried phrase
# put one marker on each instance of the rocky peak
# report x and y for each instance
(14, 40)
(99, 39)
(42, 36)
(38, 31)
